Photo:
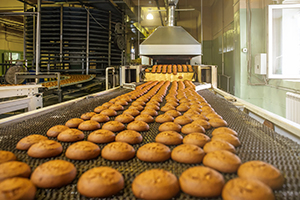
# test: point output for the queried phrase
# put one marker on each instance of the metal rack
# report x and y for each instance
(74, 39)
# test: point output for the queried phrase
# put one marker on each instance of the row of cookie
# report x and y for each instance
(170, 69)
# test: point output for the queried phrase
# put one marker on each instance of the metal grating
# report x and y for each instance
(258, 143)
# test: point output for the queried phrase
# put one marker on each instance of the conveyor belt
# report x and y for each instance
(258, 143)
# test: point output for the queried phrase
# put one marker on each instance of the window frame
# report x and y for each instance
(270, 74)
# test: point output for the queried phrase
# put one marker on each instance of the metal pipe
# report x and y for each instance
(38, 40)
(158, 8)
(61, 33)
(109, 38)
(87, 41)
(24, 34)
(33, 38)
(106, 77)
(171, 15)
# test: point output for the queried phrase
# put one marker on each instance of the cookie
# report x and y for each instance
(55, 130)
(217, 122)
(182, 107)
(100, 118)
(26, 142)
(118, 151)
(164, 118)
(169, 138)
(113, 126)
(227, 138)
(192, 128)
(182, 120)
(199, 116)
(187, 153)
(6, 156)
(74, 122)
(138, 126)
(83, 150)
(201, 182)
(169, 126)
(109, 112)
(87, 116)
(130, 137)
(246, 189)
(137, 107)
(89, 125)
(45, 149)
(198, 139)
(150, 112)
(116, 107)
(124, 118)
(154, 152)
(155, 184)
(17, 188)
(53, 174)
(205, 124)
(262, 171)
(101, 136)
(100, 108)
(144, 118)
(222, 161)
(132, 112)
(100, 182)
(218, 145)
(14, 169)
(224, 130)
(70, 135)
(173, 113)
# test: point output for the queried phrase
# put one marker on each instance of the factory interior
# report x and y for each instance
(228, 67)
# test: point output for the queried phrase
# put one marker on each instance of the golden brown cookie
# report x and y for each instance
(227, 138)
(205, 124)
(246, 189)
(262, 171)
(182, 107)
(131, 111)
(218, 145)
(169, 138)
(83, 150)
(6, 156)
(223, 161)
(199, 116)
(74, 122)
(169, 126)
(164, 118)
(14, 169)
(55, 130)
(182, 120)
(192, 128)
(113, 126)
(144, 118)
(187, 153)
(151, 112)
(154, 152)
(45, 149)
(70, 135)
(164, 183)
(100, 108)
(217, 122)
(26, 142)
(198, 139)
(53, 174)
(224, 130)
(100, 118)
(89, 125)
(87, 116)
(116, 107)
(124, 118)
(130, 137)
(118, 151)
(101, 136)
(138, 126)
(201, 182)
(109, 112)
(173, 113)
(17, 189)
(100, 182)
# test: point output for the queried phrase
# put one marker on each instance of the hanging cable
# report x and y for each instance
(95, 19)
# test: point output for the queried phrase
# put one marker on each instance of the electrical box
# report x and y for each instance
(260, 64)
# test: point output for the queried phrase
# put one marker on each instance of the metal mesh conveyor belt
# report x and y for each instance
(258, 143)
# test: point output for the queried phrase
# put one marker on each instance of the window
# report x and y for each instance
(284, 41)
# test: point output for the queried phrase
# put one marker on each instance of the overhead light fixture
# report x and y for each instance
(149, 16)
